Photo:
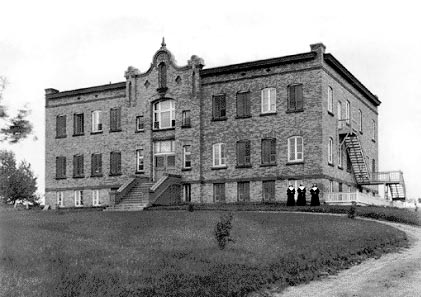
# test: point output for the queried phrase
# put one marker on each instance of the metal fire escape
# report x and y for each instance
(392, 180)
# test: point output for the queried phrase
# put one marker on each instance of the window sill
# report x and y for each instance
(58, 178)
(163, 129)
(243, 117)
(139, 131)
(294, 163)
(97, 175)
(61, 136)
(219, 119)
(119, 130)
(186, 169)
(330, 113)
(75, 135)
(97, 132)
(79, 176)
(267, 114)
(219, 167)
(294, 110)
(268, 165)
(140, 172)
(330, 164)
(115, 174)
(243, 166)
(186, 126)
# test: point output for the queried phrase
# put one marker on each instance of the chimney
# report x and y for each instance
(319, 48)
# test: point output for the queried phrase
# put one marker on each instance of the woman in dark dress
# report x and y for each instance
(290, 196)
(314, 191)
(301, 201)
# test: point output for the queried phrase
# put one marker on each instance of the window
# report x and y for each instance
(268, 187)
(60, 199)
(330, 99)
(78, 124)
(373, 124)
(140, 125)
(348, 164)
(330, 151)
(219, 192)
(78, 166)
(347, 112)
(185, 120)
(243, 153)
(360, 120)
(162, 75)
(268, 151)
(340, 187)
(187, 156)
(373, 166)
(331, 186)
(219, 155)
(164, 114)
(96, 121)
(115, 119)
(269, 100)
(61, 126)
(339, 110)
(243, 191)
(115, 163)
(78, 198)
(219, 111)
(164, 147)
(340, 156)
(243, 104)
(60, 167)
(187, 192)
(96, 165)
(295, 98)
(139, 160)
(295, 149)
(95, 197)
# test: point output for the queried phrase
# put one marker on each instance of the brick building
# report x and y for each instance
(240, 132)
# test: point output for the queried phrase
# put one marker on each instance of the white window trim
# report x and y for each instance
(219, 155)
(339, 110)
(269, 102)
(138, 158)
(330, 151)
(373, 123)
(330, 186)
(96, 121)
(330, 99)
(360, 120)
(348, 111)
(185, 153)
(158, 111)
(340, 156)
(78, 198)
(95, 198)
(140, 119)
(296, 152)
(60, 199)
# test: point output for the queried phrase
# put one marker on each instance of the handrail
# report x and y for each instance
(158, 183)
(388, 176)
(125, 188)
(357, 197)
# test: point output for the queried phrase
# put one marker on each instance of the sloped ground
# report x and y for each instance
(394, 275)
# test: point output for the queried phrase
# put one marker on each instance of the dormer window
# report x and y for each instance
(164, 114)
(162, 75)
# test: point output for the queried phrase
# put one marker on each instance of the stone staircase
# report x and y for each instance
(136, 199)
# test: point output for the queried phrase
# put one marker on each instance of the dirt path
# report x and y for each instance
(397, 274)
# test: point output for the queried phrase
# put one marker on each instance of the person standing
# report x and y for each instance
(301, 201)
(291, 196)
(314, 191)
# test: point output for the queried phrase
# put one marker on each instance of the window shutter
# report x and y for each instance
(272, 151)
(222, 106)
(74, 166)
(247, 152)
(118, 119)
(247, 103)
(240, 105)
(299, 97)
(291, 98)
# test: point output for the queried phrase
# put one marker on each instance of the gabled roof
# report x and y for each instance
(108, 87)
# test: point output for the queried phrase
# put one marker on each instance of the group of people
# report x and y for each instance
(301, 200)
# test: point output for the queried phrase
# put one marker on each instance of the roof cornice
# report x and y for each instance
(350, 78)
(108, 87)
(258, 64)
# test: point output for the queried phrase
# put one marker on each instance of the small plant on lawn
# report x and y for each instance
(223, 230)
(190, 207)
(352, 212)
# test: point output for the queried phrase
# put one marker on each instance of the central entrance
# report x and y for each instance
(164, 158)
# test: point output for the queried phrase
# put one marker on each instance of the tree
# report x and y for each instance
(16, 182)
(15, 128)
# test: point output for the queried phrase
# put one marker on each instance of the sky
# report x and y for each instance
(74, 44)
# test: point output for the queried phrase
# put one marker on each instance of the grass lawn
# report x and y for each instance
(174, 253)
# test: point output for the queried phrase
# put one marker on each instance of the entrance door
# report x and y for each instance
(164, 158)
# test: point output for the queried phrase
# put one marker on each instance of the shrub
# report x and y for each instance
(352, 212)
(190, 207)
(223, 230)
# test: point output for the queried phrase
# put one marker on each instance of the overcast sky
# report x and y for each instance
(73, 44)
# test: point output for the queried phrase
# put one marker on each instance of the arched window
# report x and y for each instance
(164, 114)
(162, 75)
